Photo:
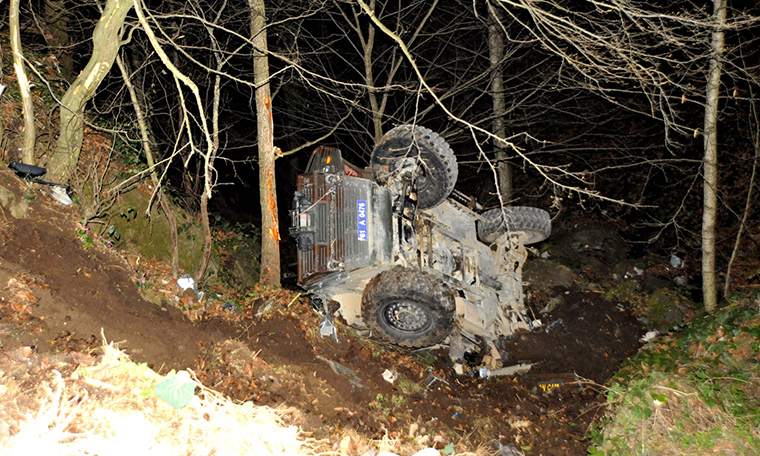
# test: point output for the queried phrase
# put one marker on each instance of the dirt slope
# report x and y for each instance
(57, 296)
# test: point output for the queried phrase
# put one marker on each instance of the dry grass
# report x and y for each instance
(680, 423)
(109, 408)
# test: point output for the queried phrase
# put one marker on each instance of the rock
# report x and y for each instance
(547, 274)
(17, 206)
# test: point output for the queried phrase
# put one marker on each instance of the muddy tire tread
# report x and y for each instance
(532, 220)
(402, 283)
(432, 148)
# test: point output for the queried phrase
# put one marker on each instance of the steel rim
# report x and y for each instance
(408, 316)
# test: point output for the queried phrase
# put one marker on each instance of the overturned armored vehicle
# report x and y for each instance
(399, 250)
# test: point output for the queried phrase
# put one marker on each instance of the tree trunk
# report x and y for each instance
(369, 80)
(270, 232)
(207, 236)
(106, 40)
(496, 54)
(710, 161)
(57, 35)
(30, 130)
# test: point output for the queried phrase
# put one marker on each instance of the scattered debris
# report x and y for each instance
(177, 389)
(517, 369)
(60, 194)
(327, 327)
(432, 378)
(676, 262)
(340, 369)
(390, 376)
(558, 321)
(186, 282)
(650, 335)
(264, 308)
(506, 450)
(549, 385)
(30, 173)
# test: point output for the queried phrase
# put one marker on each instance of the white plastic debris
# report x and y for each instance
(59, 194)
(390, 376)
(650, 335)
(638, 271)
(186, 282)
(676, 262)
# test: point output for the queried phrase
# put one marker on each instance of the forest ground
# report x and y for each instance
(61, 290)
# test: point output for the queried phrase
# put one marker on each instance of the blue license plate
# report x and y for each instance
(361, 219)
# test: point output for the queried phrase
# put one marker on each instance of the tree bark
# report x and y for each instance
(496, 54)
(270, 232)
(30, 130)
(207, 236)
(57, 35)
(710, 160)
(106, 40)
(369, 80)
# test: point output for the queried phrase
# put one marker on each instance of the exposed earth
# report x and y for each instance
(61, 289)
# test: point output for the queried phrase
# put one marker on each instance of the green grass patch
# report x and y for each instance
(695, 392)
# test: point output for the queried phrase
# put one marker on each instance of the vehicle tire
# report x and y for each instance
(408, 307)
(436, 171)
(532, 221)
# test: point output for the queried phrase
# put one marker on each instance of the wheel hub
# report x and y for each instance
(407, 316)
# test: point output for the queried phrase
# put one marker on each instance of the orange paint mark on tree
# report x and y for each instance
(274, 230)
(268, 105)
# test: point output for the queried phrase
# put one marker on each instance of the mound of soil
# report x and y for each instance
(60, 294)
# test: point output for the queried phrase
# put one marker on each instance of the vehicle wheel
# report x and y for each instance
(408, 307)
(534, 222)
(436, 167)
